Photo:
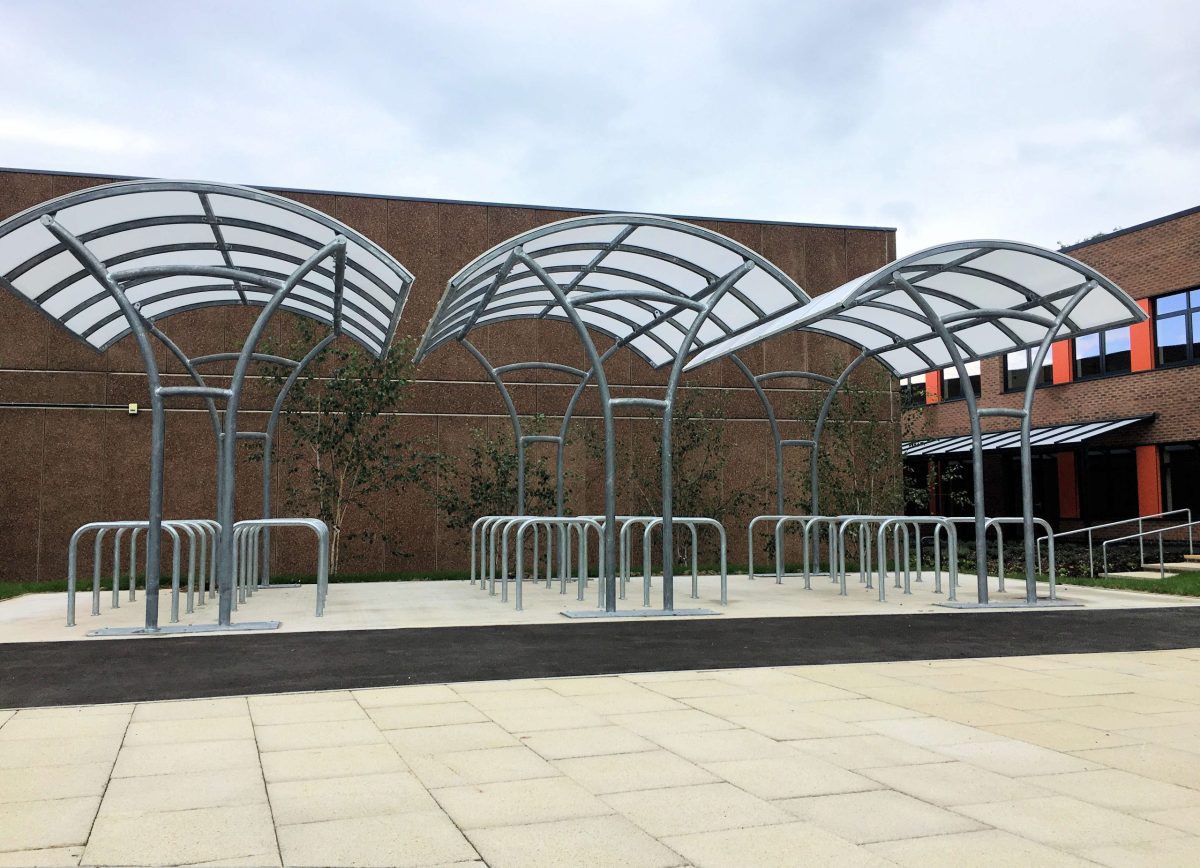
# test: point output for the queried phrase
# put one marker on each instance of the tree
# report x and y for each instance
(343, 452)
(485, 482)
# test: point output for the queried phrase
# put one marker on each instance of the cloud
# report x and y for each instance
(1041, 122)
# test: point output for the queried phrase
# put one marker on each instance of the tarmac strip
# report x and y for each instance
(148, 668)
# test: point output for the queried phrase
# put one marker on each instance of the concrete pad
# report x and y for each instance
(408, 716)
(615, 773)
(153, 794)
(1151, 761)
(857, 710)
(1174, 853)
(929, 731)
(597, 741)
(169, 732)
(881, 815)
(987, 849)
(693, 688)
(588, 842)
(628, 702)
(1121, 791)
(54, 823)
(699, 808)
(731, 744)
(776, 846)
(1183, 819)
(545, 717)
(798, 724)
(514, 802)
(953, 783)
(302, 697)
(391, 841)
(490, 765)
(54, 857)
(40, 783)
(782, 777)
(185, 759)
(316, 800)
(866, 751)
(971, 713)
(1067, 823)
(1026, 699)
(1016, 759)
(1062, 735)
(175, 837)
(191, 709)
(298, 736)
(658, 722)
(311, 712)
(740, 704)
(416, 694)
(96, 726)
(38, 752)
(330, 762)
(445, 739)
(526, 697)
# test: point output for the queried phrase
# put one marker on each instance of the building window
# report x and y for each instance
(1110, 484)
(1016, 370)
(912, 391)
(952, 389)
(1181, 477)
(1177, 327)
(1102, 354)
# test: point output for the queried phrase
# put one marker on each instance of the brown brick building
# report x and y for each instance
(73, 454)
(1148, 370)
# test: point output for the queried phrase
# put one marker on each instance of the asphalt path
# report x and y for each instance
(149, 668)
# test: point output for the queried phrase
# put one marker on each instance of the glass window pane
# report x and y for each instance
(1196, 336)
(1087, 356)
(1194, 297)
(1117, 355)
(1170, 335)
(1172, 303)
(1016, 371)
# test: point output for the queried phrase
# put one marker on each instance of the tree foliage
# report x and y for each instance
(343, 454)
(484, 481)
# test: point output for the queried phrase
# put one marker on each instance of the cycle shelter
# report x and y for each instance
(122, 259)
(679, 297)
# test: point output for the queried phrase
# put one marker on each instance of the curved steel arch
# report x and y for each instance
(118, 259)
(179, 245)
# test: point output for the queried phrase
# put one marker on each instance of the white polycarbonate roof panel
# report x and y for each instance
(655, 257)
(967, 287)
(186, 226)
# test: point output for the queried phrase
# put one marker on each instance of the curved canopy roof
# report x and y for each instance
(987, 294)
(221, 244)
(649, 260)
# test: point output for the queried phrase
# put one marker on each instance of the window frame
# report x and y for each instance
(1188, 313)
(1047, 368)
(976, 380)
(1102, 343)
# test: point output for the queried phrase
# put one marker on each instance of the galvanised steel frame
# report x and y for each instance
(671, 318)
(144, 251)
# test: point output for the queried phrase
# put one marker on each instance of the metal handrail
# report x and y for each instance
(1162, 567)
(1140, 523)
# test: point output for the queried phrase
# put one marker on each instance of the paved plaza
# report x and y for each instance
(1069, 760)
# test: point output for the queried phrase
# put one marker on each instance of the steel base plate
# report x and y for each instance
(639, 613)
(176, 629)
(1042, 603)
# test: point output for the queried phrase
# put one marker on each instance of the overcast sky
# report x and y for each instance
(1039, 121)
